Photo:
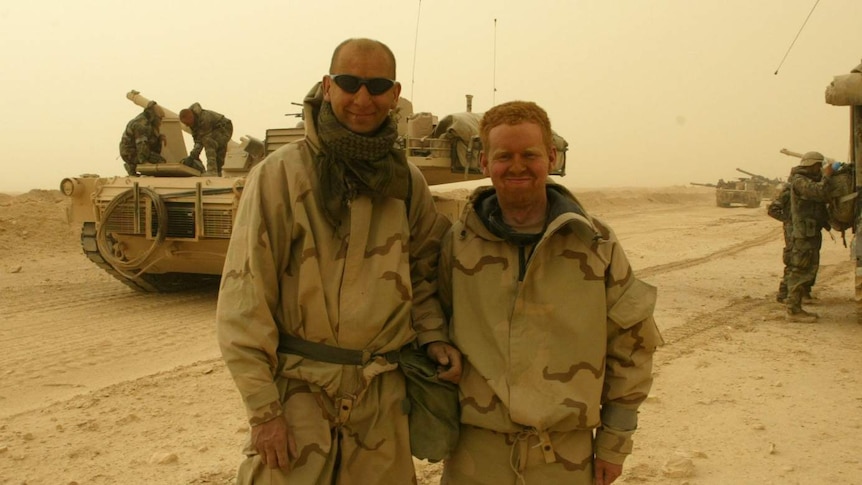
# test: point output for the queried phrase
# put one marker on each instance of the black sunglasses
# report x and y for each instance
(350, 83)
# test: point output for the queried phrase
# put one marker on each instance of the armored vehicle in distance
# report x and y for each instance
(740, 192)
(767, 188)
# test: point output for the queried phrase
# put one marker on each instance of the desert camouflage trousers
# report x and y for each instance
(485, 457)
(804, 263)
(370, 447)
(786, 258)
(215, 147)
(142, 153)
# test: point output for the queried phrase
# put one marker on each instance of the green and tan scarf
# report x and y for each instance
(350, 164)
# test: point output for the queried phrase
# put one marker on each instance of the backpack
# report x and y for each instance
(779, 208)
(842, 198)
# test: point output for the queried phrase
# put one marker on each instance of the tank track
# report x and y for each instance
(148, 283)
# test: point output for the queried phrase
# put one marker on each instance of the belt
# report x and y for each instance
(288, 344)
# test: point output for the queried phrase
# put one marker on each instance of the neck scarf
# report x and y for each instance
(350, 164)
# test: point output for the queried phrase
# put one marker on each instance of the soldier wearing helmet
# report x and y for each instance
(810, 184)
(141, 141)
(211, 132)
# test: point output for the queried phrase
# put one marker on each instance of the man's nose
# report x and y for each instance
(362, 96)
(518, 164)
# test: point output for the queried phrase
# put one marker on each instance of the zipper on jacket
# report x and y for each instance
(524, 259)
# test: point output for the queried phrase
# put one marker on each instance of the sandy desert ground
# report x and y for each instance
(102, 385)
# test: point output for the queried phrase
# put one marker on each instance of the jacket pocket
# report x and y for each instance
(635, 305)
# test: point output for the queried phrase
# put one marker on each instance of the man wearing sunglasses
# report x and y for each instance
(331, 270)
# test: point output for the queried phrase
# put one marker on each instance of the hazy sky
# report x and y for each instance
(647, 92)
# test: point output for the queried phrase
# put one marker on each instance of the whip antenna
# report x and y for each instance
(494, 79)
(415, 43)
(797, 36)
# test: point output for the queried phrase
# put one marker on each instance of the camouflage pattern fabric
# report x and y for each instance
(555, 342)
(140, 142)
(367, 283)
(211, 133)
(372, 447)
(808, 196)
(779, 209)
(485, 457)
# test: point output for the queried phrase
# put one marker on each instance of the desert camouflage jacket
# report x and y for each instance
(141, 138)
(206, 123)
(808, 199)
(558, 334)
(368, 284)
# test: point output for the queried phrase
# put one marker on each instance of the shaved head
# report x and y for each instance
(361, 46)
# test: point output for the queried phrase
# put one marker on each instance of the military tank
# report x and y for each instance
(767, 187)
(734, 192)
(168, 229)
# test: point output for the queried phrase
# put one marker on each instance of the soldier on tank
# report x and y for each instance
(141, 141)
(810, 184)
(211, 132)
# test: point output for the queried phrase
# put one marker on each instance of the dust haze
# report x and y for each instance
(655, 93)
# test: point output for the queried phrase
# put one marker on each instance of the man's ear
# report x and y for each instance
(397, 91)
(327, 85)
(483, 162)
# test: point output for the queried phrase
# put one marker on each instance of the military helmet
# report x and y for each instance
(811, 158)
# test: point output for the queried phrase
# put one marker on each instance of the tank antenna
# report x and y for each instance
(494, 80)
(797, 36)
(415, 43)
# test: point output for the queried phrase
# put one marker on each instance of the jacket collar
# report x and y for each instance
(483, 216)
(310, 107)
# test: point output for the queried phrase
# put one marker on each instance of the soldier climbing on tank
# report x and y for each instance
(810, 184)
(141, 141)
(211, 132)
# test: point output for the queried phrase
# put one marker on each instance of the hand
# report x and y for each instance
(449, 359)
(606, 472)
(828, 170)
(274, 443)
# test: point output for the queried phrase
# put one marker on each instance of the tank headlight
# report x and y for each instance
(67, 186)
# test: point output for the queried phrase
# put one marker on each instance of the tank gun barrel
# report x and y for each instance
(138, 99)
(790, 153)
(752, 175)
(703, 185)
(799, 155)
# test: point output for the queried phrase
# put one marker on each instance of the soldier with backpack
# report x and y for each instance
(779, 209)
(810, 186)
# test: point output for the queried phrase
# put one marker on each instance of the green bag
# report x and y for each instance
(434, 414)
